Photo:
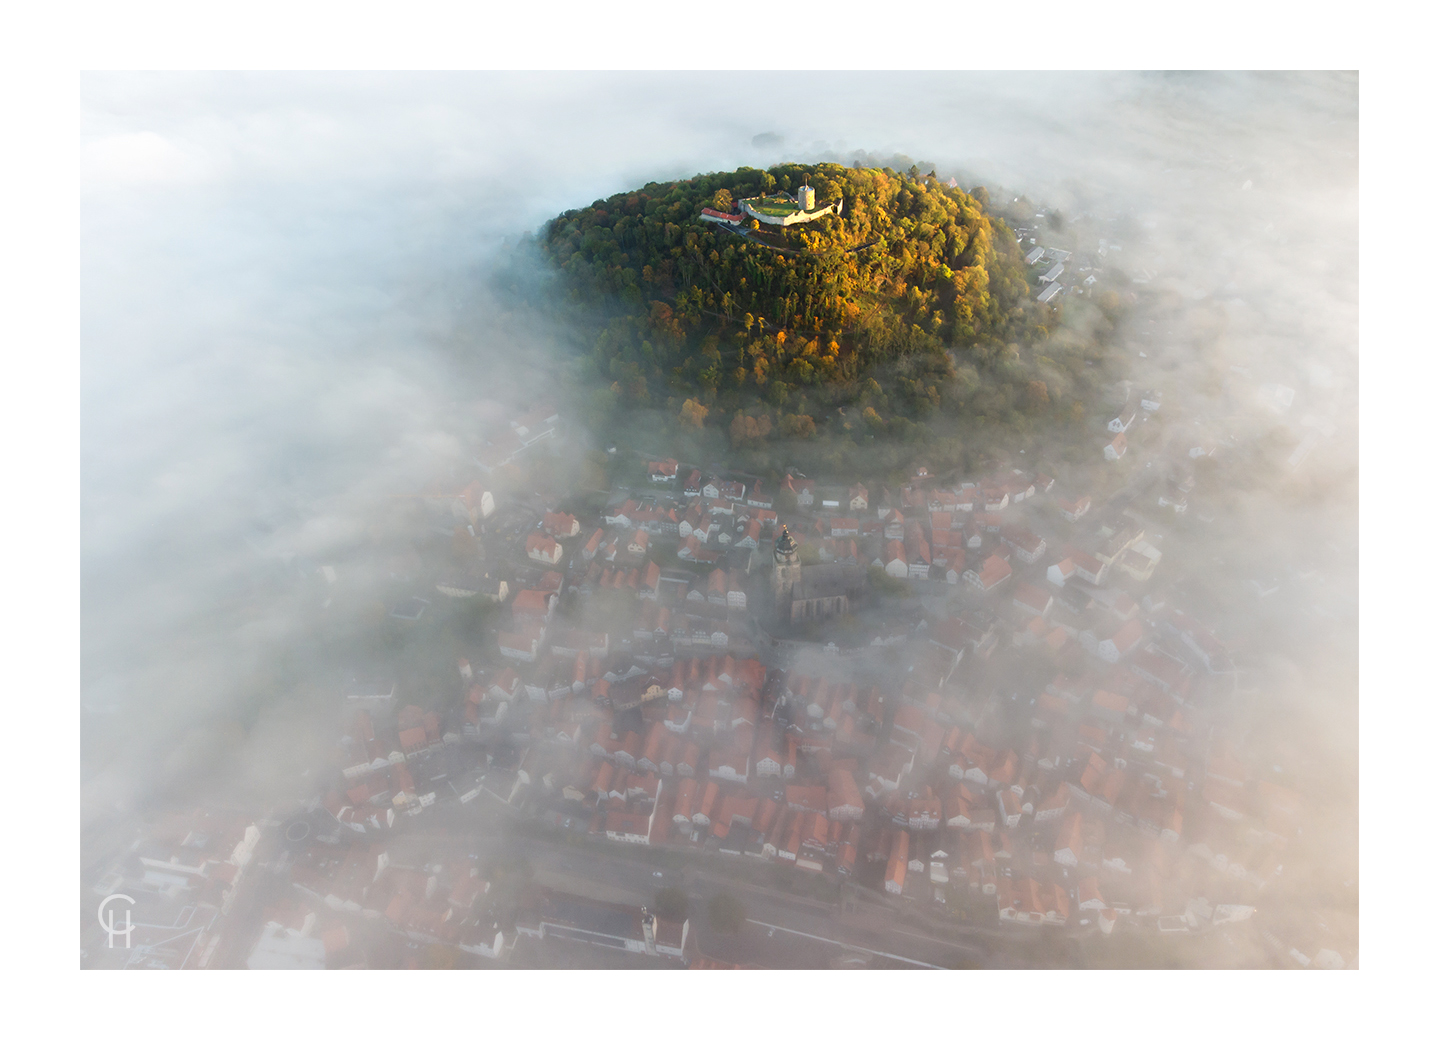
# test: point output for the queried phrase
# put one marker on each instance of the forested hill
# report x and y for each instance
(874, 306)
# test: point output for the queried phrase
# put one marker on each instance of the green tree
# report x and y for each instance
(726, 914)
(800, 426)
(887, 584)
(603, 402)
(672, 904)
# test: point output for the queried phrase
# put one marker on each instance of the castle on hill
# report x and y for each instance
(781, 209)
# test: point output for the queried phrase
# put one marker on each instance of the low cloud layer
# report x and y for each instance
(286, 317)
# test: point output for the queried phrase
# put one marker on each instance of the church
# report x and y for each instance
(813, 593)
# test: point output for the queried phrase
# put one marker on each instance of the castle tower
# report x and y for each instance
(786, 566)
(647, 921)
(806, 198)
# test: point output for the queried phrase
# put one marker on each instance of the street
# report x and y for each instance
(872, 929)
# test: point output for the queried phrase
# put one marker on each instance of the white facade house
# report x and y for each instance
(543, 549)
(1027, 545)
(1090, 569)
(1113, 647)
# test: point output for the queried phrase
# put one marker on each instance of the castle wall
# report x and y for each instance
(792, 218)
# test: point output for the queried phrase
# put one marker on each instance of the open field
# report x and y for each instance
(773, 206)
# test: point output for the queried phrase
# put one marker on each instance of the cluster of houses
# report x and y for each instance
(976, 534)
(1117, 802)
(928, 532)
(1114, 803)
(710, 529)
(186, 868)
(343, 891)
(1096, 790)
(1138, 405)
(1104, 809)
(1061, 271)
(380, 763)
(1100, 790)
(719, 753)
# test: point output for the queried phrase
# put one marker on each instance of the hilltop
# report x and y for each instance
(807, 300)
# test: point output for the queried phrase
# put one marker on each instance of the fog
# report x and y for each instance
(288, 315)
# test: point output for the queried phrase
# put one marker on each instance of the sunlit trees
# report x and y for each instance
(801, 426)
(692, 414)
(664, 252)
(748, 429)
(903, 305)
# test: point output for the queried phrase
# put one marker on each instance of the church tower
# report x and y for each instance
(786, 567)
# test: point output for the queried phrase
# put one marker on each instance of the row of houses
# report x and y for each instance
(826, 777)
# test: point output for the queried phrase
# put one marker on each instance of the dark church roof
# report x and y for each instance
(785, 545)
(820, 581)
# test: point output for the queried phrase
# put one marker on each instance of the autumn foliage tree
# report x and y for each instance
(748, 429)
(692, 414)
(931, 252)
(908, 302)
(801, 426)
(1036, 395)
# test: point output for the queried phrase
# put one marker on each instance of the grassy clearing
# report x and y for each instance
(773, 206)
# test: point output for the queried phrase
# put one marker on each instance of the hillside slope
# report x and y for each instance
(913, 302)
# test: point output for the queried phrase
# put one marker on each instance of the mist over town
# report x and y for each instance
(471, 577)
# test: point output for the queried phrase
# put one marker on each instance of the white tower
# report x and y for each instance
(806, 198)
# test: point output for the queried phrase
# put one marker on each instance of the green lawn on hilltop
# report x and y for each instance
(773, 206)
